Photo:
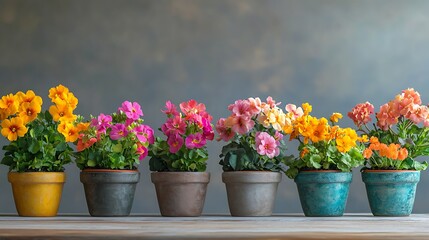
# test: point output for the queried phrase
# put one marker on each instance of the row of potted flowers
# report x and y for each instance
(108, 148)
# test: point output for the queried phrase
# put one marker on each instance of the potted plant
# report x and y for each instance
(398, 137)
(38, 148)
(327, 154)
(107, 153)
(252, 158)
(179, 162)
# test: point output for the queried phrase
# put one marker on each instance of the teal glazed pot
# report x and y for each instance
(109, 193)
(323, 193)
(391, 193)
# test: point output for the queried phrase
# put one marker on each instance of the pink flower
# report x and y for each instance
(141, 151)
(225, 133)
(174, 126)
(278, 137)
(361, 113)
(271, 102)
(175, 142)
(255, 105)
(266, 145)
(240, 108)
(102, 122)
(132, 110)
(242, 124)
(410, 93)
(296, 112)
(144, 133)
(386, 117)
(118, 131)
(195, 141)
(170, 109)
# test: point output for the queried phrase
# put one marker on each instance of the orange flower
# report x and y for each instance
(58, 92)
(367, 153)
(335, 117)
(62, 112)
(13, 128)
(304, 152)
(69, 131)
(29, 96)
(403, 153)
(9, 104)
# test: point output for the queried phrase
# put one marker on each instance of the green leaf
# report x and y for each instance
(91, 163)
(117, 148)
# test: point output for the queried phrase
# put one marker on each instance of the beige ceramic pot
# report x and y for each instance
(251, 193)
(181, 194)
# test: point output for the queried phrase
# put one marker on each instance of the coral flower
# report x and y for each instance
(13, 128)
(84, 143)
(141, 151)
(132, 110)
(192, 107)
(175, 125)
(361, 113)
(170, 109)
(225, 133)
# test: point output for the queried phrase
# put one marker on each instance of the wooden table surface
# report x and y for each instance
(291, 226)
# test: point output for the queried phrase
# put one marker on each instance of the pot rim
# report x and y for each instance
(386, 170)
(323, 171)
(36, 177)
(180, 177)
(108, 170)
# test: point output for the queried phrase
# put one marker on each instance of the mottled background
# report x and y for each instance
(332, 54)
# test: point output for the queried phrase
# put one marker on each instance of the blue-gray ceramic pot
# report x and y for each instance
(391, 193)
(323, 193)
(109, 193)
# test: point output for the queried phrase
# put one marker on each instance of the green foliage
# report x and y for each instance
(324, 155)
(185, 160)
(41, 149)
(107, 153)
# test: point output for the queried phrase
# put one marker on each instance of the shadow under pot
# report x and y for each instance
(180, 194)
(109, 193)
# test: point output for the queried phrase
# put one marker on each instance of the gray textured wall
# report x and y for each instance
(332, 54)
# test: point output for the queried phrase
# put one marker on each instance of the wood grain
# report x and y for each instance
(352, 226)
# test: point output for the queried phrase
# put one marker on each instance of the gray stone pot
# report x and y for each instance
(109, 193)
(251, 193)
(180, 194)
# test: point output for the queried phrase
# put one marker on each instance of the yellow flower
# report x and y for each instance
(335, 117)
(9, 104)
(62, 112)
(70, 131)
(307, 108)
(29, 110)
(58, 92)
(320, 131)
(13, 128)
(29, 96)
(346, 139)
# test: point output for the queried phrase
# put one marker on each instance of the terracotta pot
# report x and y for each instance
(251, 193)
(109, 193)
(180, 194)
(37, 194)
(391, 192)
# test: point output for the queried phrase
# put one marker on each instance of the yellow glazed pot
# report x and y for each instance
(37, 194)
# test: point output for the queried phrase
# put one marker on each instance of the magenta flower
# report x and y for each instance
(102, 122)
(142, 152)
(196, 140)
(118, 131)
(175, 142)
(170, 109)
(144, 133)
(131, 110)
(208, 132)
(266, 145)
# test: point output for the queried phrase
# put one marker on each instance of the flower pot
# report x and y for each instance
(323, 193)
(37, 194)
(251, 193)
(180, 194)
(109, 193)
(391, 193)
